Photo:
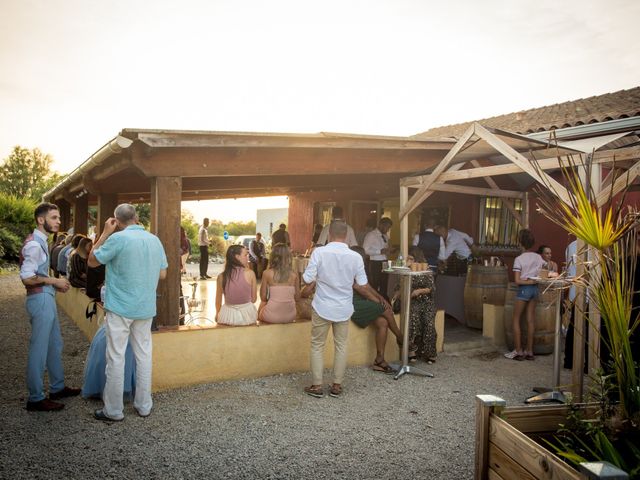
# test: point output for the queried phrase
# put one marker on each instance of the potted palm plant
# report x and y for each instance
(513, 440)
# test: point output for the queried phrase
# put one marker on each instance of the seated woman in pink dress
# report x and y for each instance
(280, 289)
(238, 285)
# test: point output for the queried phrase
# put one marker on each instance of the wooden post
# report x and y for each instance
(81, 215)
(166, 194)
(602, 470)
(404, 223)
(65, 214)
(485, 406)
(107, 203)
(525, 211)
(577, 375)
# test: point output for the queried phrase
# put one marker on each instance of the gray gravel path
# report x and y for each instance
(413, 428)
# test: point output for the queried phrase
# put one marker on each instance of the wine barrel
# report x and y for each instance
(483, 285)
(545, 321)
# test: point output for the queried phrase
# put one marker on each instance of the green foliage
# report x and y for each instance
(191, 228)
(16, 220)
(27, 174)
(215, 228)
(218, 246)
(583, 439)
(237, 228)
(144, 214)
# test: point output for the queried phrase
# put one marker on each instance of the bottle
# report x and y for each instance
(400, 262)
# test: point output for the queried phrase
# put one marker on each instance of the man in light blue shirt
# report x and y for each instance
(337, 270)
(135, 260)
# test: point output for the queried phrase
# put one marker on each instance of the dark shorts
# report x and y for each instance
(365, 311)
(527, 292)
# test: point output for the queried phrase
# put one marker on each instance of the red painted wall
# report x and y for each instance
(300, 226)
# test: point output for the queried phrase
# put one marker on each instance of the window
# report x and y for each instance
(498, 227)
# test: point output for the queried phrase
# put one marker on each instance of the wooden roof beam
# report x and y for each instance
(620, 184)
(524, 164)
(604, 157)
(487, 192)
(505, 201)
(423, 192)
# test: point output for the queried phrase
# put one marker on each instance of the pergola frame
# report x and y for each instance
(449, 170)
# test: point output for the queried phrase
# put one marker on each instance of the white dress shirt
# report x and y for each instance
(33, 255)
(458, 243)
(374, 242)
(334, 268)
(203, 237)
(252, 254)
(416, 241)
(324, 236)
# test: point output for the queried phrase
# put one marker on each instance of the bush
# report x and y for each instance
(218, 246)
(16, 218)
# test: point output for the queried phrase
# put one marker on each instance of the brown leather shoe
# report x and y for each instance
(44, 405)
(64, 393)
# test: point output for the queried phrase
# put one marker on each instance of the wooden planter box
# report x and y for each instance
(505, 451)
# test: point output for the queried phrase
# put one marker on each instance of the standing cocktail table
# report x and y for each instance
(405, 301)
(558, 284)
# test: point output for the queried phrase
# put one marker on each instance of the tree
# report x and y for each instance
(241, 228)
(27, 174)
(216, 228)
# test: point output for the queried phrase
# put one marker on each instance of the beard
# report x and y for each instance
(49, 228)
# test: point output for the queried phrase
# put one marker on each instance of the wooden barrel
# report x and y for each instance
(483, 285)
(545, 321)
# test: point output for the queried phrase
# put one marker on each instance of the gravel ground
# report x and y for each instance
(412, 428)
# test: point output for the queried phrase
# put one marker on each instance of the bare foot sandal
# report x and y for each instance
(383, 367)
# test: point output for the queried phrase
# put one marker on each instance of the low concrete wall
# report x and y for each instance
(191, 355)
(74, 303)
(493, 323)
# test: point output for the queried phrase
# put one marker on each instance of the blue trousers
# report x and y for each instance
(45, 346)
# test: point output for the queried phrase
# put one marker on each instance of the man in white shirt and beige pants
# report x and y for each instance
(337, 271)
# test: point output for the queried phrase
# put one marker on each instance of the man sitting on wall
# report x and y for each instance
(258, 256)
(281, 236)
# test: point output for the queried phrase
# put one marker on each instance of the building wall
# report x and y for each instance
(268, 220)
(300, 225)
(302, 212)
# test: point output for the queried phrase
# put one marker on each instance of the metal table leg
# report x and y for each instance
(555, 395)
(406, 305)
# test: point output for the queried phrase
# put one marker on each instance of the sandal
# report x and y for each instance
(314, 391)
(336, 390)
(413, 358)
(383, 367)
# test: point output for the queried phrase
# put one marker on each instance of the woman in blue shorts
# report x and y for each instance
(525, 267)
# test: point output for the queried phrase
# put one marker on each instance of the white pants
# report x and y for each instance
(119, 331)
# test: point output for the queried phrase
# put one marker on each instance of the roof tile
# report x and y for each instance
(600, 108)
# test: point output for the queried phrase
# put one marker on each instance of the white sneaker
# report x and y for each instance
(511, 355)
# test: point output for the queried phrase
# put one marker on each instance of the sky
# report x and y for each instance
(76, 72)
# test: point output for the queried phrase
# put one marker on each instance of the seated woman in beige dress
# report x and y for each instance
(238, 285)
(280, 288)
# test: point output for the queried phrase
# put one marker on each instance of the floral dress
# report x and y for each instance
(422, 314)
